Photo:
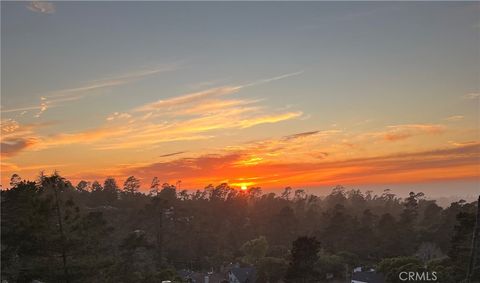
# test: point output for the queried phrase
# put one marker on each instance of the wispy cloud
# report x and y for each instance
(59, 97)
(111, 81)
(210, 93)
(193, 116)
(455, 118)
(172, 154)
(350, 16)
(188, 98)
(301, 135)
(15, 137)
(269, 119)
(401, 132)
(42, 7)
(117, 115)
(276, 78)
(11, 147)
(139, 134)
(43, 107)
(305, 146)
(438, 164)
(472, 95)
(22, 109)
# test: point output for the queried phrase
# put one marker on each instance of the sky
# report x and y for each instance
(272, 94)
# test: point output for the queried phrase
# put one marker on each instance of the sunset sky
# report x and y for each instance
(308, 95)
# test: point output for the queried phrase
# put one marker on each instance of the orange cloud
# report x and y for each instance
(188, 98)
(16, 137)
(134, 132)
(400, 132)
(172, 154)
(193, 116)
(55, 98)
(441, 164)
(11, 147)
(207, 96)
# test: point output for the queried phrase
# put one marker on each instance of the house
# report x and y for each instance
(242, 275)
(366, 276)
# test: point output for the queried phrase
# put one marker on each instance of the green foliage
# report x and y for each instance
(304, 256)
(330, 264)
(461, 244)
(46, 237)
(255, 250)
(54, 232)
(271, 269)
(446, 272)
(391, 267)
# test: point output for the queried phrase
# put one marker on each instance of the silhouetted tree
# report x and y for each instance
(110, 191)
(155, 186)
(15, 180)
(131, 185)
(156, 234)
(83, 186)
(304, 256)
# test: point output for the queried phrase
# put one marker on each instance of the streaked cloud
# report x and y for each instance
(272, 79)
(193, 116)
(112, 81)
(472, 95)
(12, 146)
(401, 167)
(268, 119)
(455, 118)
(117, 115)
(42, 7)
(305, 146)
(401, 132)
(188, 98)
(216, 105)
(16, 137)
(168, 104)
(462, 144)
(59, 97)
(8, 167)
(301, 135)
(136, 134)
(172, 154)
(13, 139)
(22, 109)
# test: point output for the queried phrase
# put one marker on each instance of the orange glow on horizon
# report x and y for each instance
(455, 163)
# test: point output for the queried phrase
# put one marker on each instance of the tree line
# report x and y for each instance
(53, 231)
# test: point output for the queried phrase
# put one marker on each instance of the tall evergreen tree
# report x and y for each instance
(304, 256)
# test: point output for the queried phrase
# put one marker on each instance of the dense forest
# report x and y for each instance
(53, 231)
